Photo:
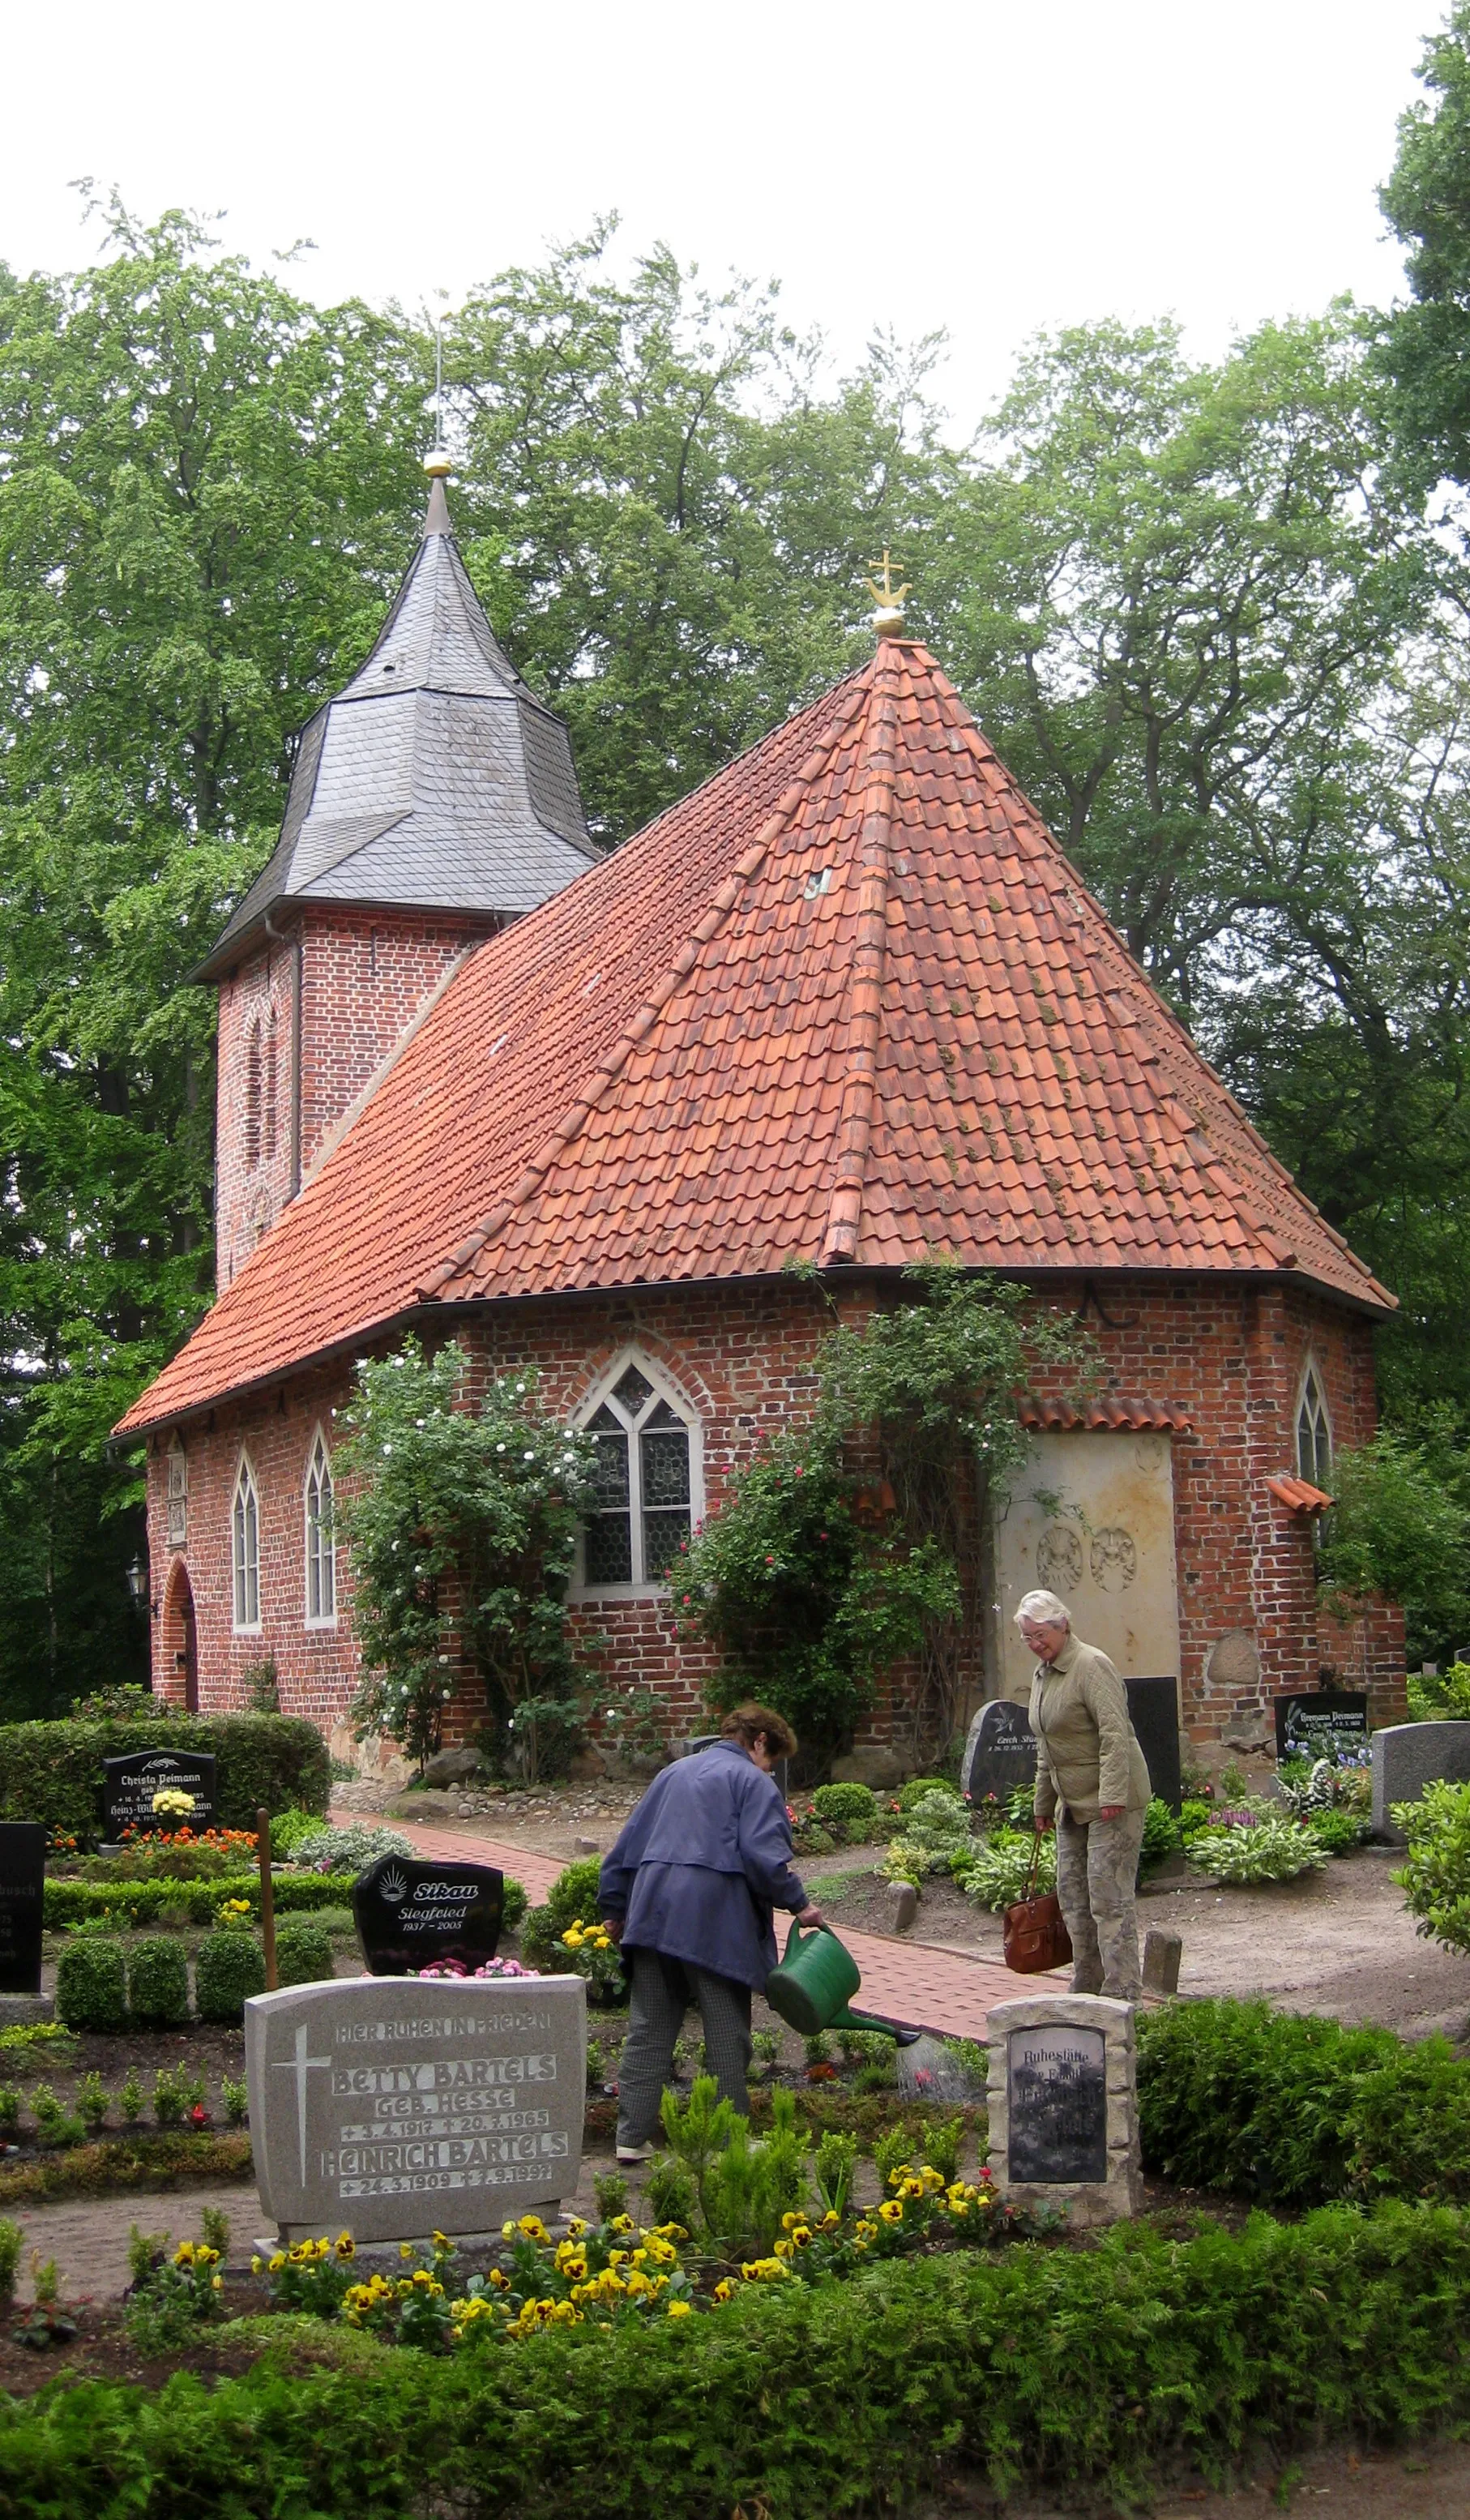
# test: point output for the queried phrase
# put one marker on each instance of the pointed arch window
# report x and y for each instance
(646, 1481)
(320, 1550)
(245, 1550)
(1314, 1433)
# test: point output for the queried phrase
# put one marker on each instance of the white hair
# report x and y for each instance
(1045, 1608)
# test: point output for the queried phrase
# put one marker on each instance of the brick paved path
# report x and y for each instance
(941, 1991)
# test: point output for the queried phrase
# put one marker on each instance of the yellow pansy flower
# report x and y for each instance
(677, 2309)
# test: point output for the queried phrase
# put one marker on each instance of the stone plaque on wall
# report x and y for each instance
(1089, 1515)
(390, 2107)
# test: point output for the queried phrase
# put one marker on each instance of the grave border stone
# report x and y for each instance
(375, 2030)
(1087, 2202)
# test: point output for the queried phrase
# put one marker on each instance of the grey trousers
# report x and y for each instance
(1096, 1870)
(663, 1990)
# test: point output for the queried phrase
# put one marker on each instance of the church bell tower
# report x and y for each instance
(432, 801)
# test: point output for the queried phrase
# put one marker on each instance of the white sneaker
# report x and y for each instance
(633, 2152)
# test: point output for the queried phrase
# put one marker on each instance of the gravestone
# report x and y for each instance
(390, 2107)
(129, 1784)
(1322, 1724)
(1162, 1955)
(23, 1878)
(1063, 2106)
(1153, 1707)
(412, 1910)
(1000, 1752)
(1407, 1757)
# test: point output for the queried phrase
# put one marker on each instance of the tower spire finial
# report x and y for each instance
(888, 619)
(438, 462)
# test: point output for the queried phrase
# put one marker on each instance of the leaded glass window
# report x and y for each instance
(321, 1552)
(1313, 1434)
(642, 1486)
(245, 1548)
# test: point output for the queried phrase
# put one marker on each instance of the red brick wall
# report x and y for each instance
(745, 1357)
(342, 986)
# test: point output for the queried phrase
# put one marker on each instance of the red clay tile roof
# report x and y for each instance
(847, 1002)
(1123, 1411)
(1299, 1496)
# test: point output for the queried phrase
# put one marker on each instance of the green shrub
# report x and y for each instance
(1268, 1847)
(52, 1771)
(1069, 2371)
(11, 2238)
(304, 1952)
(91, 1984)
(287, 1829)
(851, 1809)
(1161, 1833)
(574, 1892)
(1297, 2109)
(1435, 1875)
(1193, 1817)
(996, 1874)
(138, 1903)
(1339, 1832)
(229, 1968)
(917, 1786)
(158, 1981)
(350, 1850)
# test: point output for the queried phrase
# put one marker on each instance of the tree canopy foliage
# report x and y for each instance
(1209, 613)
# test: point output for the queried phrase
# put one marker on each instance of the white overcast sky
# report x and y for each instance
(991, 169)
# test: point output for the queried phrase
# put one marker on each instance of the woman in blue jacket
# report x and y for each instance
(688, 1891)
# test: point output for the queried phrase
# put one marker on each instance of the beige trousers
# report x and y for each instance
(1096, 1870)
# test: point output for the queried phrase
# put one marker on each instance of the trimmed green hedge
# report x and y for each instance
(52, 1772)
(1063, 2368)
(66, 1903)
(1294, 2109)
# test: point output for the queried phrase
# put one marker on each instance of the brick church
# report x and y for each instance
(846, 1004)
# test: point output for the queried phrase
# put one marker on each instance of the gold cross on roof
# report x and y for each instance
(889, 596)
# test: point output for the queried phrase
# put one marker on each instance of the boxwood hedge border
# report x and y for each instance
(1048, 2365)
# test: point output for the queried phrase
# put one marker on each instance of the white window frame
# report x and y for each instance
(1312, 1383)
(319, 1543)
(244, 1551)
(665, 1388)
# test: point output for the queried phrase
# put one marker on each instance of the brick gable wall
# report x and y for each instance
(333, 995)
(743, 1355)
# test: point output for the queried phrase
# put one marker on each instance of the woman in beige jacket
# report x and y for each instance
(1093, 1781)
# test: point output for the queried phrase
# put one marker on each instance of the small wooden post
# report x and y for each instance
(267, 1896)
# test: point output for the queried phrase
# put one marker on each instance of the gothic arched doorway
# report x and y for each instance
(180, 1674)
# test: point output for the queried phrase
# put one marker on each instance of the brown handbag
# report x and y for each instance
(1036, 1935)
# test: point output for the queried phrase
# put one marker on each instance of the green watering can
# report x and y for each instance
(811, 1985)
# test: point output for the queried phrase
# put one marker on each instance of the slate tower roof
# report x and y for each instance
(434, 781)
(848, 1003)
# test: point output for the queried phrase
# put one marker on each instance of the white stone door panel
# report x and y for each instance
(1090, 1517)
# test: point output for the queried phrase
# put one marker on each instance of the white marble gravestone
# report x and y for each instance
(1063, 2106)
(390, 2107)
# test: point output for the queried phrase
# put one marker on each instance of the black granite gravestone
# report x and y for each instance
(23, 1878)
(129, 1785)
(1057, 2106)
(410, 1912)
(999, 1754)
(1154, 1708)
(1324, 1724)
